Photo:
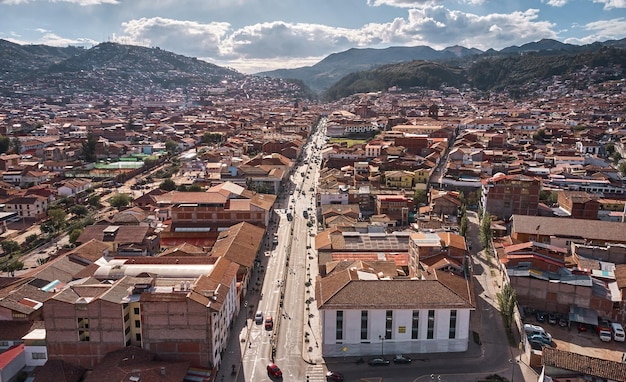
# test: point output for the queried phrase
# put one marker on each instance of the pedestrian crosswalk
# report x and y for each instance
(315, 373)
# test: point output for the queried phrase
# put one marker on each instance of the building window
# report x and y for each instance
(39, 356)
(138, 336)
(388, 324)
(4, 344)
(364, 324)
(452, 333)
(137, 324)
(415, 320)
(83, 329)
(430, 334)
(339, 325)
(136, 310)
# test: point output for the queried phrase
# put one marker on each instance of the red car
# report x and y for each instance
(274, 371)
(269, 323)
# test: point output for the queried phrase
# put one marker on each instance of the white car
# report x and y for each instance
(258, 317)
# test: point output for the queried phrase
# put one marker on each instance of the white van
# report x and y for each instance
(618, 332)
(531, 329)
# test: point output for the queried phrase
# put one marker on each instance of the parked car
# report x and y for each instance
(378, 362)
(540, 316)
(552, 320)
(399, 358)
(269, 323)
(334, 376)
(541, 338)
(274, 371)
(563, 322)
(530, 329)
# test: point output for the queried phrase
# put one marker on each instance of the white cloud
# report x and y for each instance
(186, 37)
(52, 39)
(610, 4)
(602, 30)
(79, 2)
(416, 3)
(280, 41)
(556, 3)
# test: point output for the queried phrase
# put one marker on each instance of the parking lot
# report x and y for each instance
(586, 343)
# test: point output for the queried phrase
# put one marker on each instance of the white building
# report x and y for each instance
(364, 311)
(35, 348)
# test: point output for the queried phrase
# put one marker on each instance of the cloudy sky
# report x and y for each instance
(256, 35)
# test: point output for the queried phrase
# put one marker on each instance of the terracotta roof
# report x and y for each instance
(341, 290)
(91, 250)
(566, 227)
(130, 361)
(15, 330)
(597, 367)
(124, 234)
(58, 371)
(240, 243)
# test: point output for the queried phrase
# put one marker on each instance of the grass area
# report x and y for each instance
(351, 142)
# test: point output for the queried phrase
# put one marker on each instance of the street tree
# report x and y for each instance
(10, 247)
(89, 147)
(75, 234)
(506, 304)
(57, 218)
(5, 144)
(167, 185)
(120, 200)
(464, 225)
(171, 146)
(485, 230)
(79, 210)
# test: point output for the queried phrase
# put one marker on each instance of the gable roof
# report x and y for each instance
(601, 368)
(342, 290)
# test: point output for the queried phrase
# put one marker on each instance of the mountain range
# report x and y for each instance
(321, 76)
(112, 68)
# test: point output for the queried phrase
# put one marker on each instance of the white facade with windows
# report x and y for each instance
(387, 332)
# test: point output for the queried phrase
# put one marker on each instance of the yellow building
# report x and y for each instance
(399, 179)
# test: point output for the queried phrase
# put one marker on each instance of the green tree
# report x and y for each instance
(10, 247)
(182, 188)
(94, 200)
(167, 185)
(506, 304)
(420, 197)
(16, 144)
(212, 138)
(75, 234)
(11, 265)
(464, 225)
(5, 144)
(79, 210)
(195, 188)
(548, 197)
(57, 217)
(89, 148)
(120, 200)
(485, 230)
(171, 147)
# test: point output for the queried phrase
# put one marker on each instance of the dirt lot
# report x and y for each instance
(587, 343)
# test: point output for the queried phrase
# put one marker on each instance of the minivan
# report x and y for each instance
(618, 332)
(536, 329)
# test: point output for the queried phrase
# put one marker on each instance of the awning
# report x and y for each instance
(583, 315)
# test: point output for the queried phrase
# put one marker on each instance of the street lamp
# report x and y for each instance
(382, 345)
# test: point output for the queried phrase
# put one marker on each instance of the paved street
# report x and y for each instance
(287, 268)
